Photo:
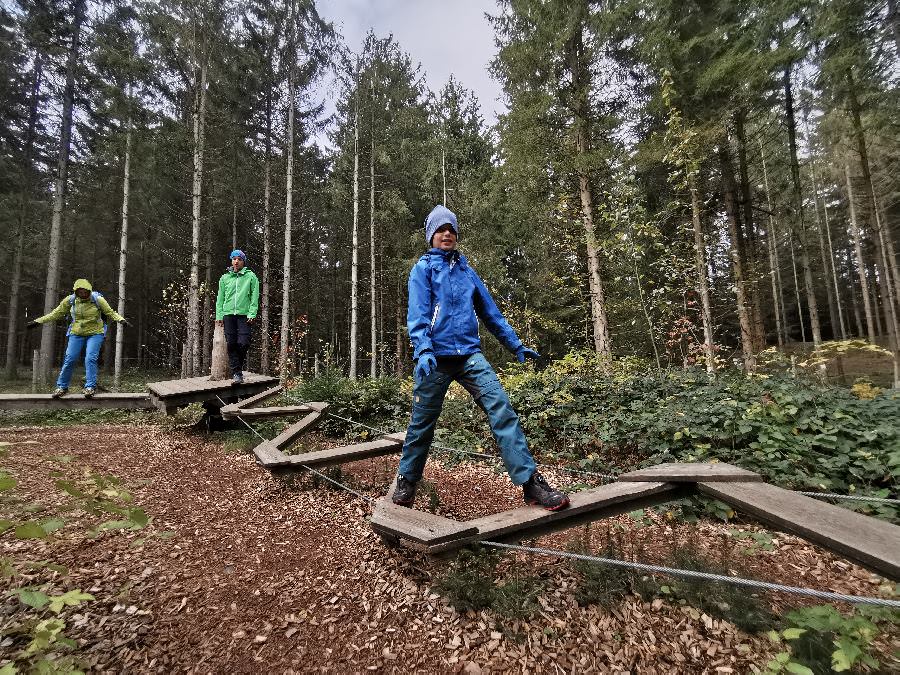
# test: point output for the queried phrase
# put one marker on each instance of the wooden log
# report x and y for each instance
(125, 401)
(235, 409)
(289, 435)
(219, 358)
(871, 542)
(269, 455)
(349, 453)
(691, 472)
(423, 528)
(528, 522)
(259, 398)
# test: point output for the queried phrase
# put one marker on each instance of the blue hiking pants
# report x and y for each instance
(475, 374)
(77, 344)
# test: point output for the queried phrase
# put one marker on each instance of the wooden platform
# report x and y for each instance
(170, 395)
(871, 542)
(75, 402)
(270, 454)
(692, 472)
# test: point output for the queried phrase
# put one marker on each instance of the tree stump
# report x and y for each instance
(219, 360)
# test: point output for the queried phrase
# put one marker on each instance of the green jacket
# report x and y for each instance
(238, 294)
(86, 317)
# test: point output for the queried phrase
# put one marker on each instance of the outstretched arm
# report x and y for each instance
(108, 311)
(61, 310)
(418, 314)
(487, 310)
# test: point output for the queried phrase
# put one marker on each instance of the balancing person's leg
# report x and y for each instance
(243, 341)
(428, 399)
(230, 323)
(74, 346)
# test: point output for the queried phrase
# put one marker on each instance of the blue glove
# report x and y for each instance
(524, 352)
(424, 365)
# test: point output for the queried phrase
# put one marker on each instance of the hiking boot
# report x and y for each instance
(237, 378)
(59, 392)
(538, 491)
(89, 392)
(405, 493)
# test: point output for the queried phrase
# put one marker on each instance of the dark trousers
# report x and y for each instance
(237, 337)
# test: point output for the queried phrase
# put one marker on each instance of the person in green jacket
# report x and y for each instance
(86, 310)
(236, 306)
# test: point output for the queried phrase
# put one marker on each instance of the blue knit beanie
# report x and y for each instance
(238, 253)
(440, 215)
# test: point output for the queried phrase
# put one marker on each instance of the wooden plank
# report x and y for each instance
(421, 527)
(265, 412)
(528, 522)
(289, 435)
(268, 455)
(691, 472)
(259, 398)
(127, 401)
(871, 542)
(174, 388)
(349, 453)
(207, 394)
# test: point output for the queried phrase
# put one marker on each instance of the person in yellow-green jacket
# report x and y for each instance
(87, 311)
(237, 303)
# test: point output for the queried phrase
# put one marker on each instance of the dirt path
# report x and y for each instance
(239, 572)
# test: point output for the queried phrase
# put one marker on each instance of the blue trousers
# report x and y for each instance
(475, 374)
(74, 347)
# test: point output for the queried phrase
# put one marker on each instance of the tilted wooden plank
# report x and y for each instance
(268, 455)
(692, 472)
(127, 401)
(253, 384)
(266, 412)
(259, 398)
(349, 453)
(528, 522)
(289, 435)
(423, 528)
(871, 542)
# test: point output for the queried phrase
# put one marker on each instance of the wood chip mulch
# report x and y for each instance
(239, 571)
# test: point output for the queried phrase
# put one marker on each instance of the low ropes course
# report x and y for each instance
(874, 544)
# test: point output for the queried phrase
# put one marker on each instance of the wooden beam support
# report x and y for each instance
(871, 542)
(692, 472)
(289, 435)
(425, 529)
(349, 453)
(126, 401)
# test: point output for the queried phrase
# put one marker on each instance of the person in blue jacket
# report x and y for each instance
(446, 299)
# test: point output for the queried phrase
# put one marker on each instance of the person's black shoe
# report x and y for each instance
(537, 491)
(237, 378)
(405, 492)
(89, 392)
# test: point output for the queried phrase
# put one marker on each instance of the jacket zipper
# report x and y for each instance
(434, 316)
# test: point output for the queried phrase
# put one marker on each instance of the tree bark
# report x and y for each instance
(833, 312)
(192, 349)
(860, 261)
(798, 206)
(283, 365)
(51, 286)
(354, 259)
(774, 261)
(373, 322)
(731, 211)
(582, 121)
(702, 281)
(123, 253)
(264, 364)
(25, 196)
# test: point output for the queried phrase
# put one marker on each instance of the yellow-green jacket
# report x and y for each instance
(238, 294)
(86, 315)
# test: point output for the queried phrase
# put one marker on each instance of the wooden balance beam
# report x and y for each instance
(75, 402)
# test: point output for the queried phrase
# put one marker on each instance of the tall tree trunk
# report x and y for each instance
(889, 244)
(208, 320)
(582, 120)
(860, 261)
(123, 253)
(750, 243)
(798, 206)
(835, 317)
(702, 281)
(774, 261)
(373, 322)
(283, 365)
(890, 301)
(737, 262)
(354, 260)
(264, 364)
(192, 350)
(25, 196)
(51, 286)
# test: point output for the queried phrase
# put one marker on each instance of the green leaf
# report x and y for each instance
(5, 525)
(30, 530)
(138, 516)
(52, 525)
(798, 668)
(32, 598)
(8, 669)
(793, 633)
(840, 661)
(70, 598)
(7, 482)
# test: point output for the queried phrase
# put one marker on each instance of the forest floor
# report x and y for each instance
(238, 571)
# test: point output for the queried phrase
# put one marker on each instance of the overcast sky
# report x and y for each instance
(446, 37)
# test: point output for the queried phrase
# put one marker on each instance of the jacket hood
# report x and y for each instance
(82, 283)
(440, 215)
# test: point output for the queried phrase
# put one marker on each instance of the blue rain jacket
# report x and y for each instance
(446, 299)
